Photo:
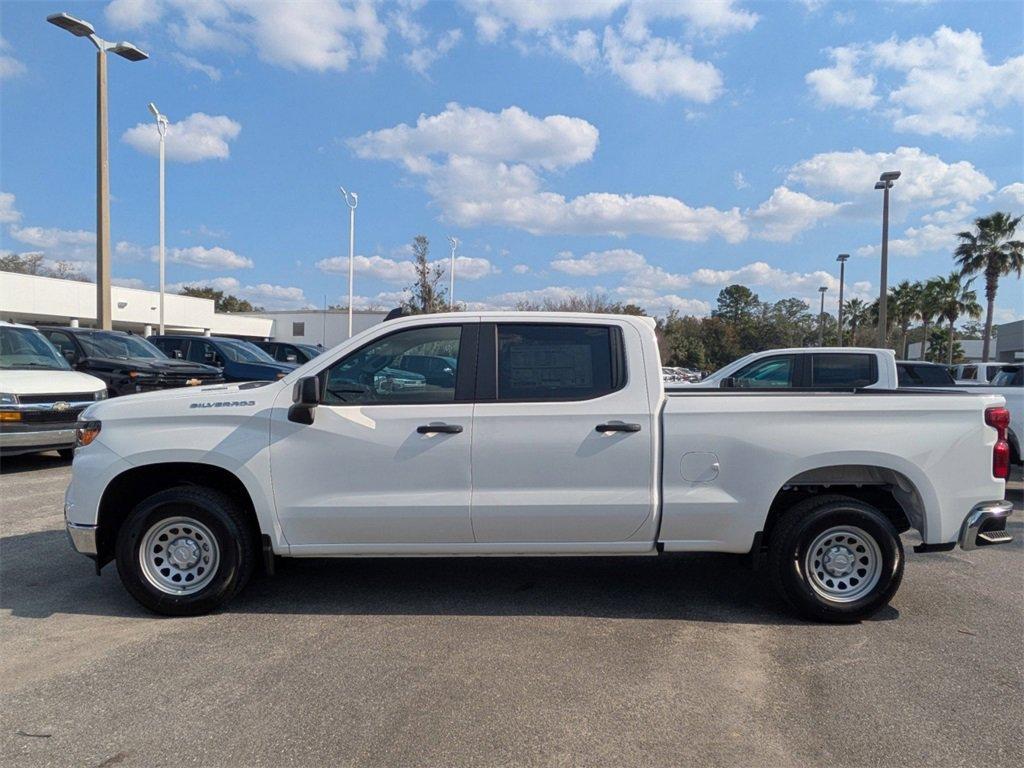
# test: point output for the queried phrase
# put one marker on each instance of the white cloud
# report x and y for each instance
(1011, 194)
(521, 269)
(580, 48)
(658, 68)
(739, 181)
(787, 213)
(927, 180)
(840, 85)
(9, 65)
(39, 237)
(206, 258)
(195, 65)
(484, 168)
(714, 17)
(320, 36)
(599, 262)
(198, 137)
(942, 84)
(8, 213)
(404, 271)
(267, 295)
(492, 17)
(421, 58)
(513, 134)
(935, 233)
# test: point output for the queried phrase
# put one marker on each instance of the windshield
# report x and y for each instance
(28, 349)
(120, 345)
(309, 349)
(1008, 377)
(244, 352)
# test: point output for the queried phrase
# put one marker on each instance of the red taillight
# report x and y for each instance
(1000, 419)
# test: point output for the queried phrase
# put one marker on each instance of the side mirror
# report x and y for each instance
(305, 398)
(728, 382)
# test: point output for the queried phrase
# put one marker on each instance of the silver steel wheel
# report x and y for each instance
(843, 564)
(179, 555)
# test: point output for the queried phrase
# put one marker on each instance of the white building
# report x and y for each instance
(315, 326)
(33, 300)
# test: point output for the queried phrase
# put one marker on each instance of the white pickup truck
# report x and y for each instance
(541, 434)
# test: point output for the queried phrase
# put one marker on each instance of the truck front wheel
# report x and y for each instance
(834, 558)
(185, 551)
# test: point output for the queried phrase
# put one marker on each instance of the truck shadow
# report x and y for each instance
(41, 577)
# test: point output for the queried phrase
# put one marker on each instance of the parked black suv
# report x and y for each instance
(289, 352)
(125, 362)
(912, 375)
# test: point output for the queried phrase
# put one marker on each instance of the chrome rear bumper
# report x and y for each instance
(986, 525)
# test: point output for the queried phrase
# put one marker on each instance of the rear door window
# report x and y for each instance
(843, 370)
(558, 362)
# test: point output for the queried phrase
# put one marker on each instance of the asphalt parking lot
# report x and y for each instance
(684, 660)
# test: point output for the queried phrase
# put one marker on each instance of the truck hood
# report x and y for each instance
(154, 365)
(40, 381)
(261, 392)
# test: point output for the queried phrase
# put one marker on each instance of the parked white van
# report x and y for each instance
(40, 396)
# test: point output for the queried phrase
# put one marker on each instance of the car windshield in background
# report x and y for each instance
(309, 349)
(1009, 377)
(122, 346)
(28, 349)
(244, 352)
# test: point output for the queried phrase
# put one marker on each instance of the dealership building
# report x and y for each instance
(33, 300)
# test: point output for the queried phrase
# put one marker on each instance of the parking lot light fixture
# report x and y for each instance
(821, 317)
(81, 28)
(884, 183)
(842, 258)
(454, 242)
(351, 200)
(161, 127)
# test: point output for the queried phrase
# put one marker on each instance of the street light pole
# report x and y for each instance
(161, 128)
(884, 183)
(821, 317)
(454, 241)
(80, 28)
(841, 258)
(351, 200)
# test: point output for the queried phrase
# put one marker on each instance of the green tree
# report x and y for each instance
(991, 250)
(736, 304)
(905, 300)
(955, 298)
(222, 302)
(857, 314)
(928, 308)
(426, 294)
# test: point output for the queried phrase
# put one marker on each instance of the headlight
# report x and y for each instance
(100, 395)
(8, 398)
(87, 432)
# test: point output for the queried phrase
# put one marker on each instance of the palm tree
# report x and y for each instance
(955, 298)
(856, 312)
(992, 251)
(927, 309)
(905, 301)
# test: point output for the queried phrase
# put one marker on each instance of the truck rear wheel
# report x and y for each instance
(185, 551)
(834, 558)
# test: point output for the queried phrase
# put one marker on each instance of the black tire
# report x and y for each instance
(221, 516)
(66, 453)
(797, 530)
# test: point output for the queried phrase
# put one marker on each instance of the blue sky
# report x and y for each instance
(651, 151)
